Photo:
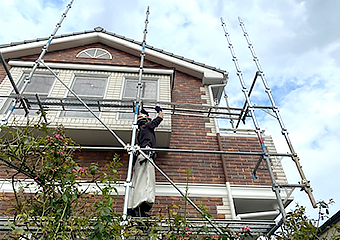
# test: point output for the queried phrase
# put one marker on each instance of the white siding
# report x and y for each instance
(113, 92)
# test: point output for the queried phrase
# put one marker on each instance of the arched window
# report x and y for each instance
(94, 53)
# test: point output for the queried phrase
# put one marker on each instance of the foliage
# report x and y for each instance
(53, 205)
(58, 209)
(299, 226)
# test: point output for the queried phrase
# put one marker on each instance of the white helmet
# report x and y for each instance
(142, 117)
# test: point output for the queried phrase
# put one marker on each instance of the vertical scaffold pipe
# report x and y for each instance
(266, 156)
(84, 104)
(36, 64)
(278, 115)
(17, 92)
(135, 126)
(45, 48)
(181, 192)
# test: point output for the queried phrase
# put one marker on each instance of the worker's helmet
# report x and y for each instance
(142, 118)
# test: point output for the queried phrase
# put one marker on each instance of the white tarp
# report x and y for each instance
(143, 184)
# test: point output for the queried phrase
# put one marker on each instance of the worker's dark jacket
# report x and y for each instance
(146, 135)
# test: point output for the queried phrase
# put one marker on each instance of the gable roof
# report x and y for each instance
(208, 74)
(330, 222)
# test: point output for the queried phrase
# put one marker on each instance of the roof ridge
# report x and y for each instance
(101, 29)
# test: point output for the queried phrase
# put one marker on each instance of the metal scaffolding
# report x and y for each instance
(46, 104)
(249, 110)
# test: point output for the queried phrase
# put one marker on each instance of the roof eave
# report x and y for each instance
(208, 76)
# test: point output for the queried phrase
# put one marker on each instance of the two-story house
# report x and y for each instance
(102, 68)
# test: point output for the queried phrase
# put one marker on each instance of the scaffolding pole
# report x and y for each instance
(182, 194)
(17, 92)
(258, 131)
(36, 65)
(137, 106)
(129, 148)
(119, 105)
(275, 109)
(47, 45)
(135, 125)
(84, 104)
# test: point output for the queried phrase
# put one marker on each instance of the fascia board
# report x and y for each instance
(161, 58)
(207, 75)
(166, 189)
(254, 192)
(92, 67)
(56, 44)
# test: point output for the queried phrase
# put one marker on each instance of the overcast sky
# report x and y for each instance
(297, 42)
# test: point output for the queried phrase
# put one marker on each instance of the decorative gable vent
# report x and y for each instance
(95, 53)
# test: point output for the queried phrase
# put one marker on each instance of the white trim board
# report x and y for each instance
(166, 189)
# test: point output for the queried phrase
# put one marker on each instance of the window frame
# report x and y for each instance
(94, 56)
(68, 94)
(4, 107)
(123, 88)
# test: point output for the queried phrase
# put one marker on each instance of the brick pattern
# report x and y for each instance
(6, 203)
(164, 205)
(3, 72)
(239, 167)
(119, 58)
(186, 133)
(191, 133)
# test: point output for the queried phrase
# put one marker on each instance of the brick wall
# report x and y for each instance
(191, 133)
(3, 72)
(239, 167)
(186, 133)
(119, 58)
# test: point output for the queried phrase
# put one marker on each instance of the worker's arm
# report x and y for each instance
(160, 114)
(159, 111)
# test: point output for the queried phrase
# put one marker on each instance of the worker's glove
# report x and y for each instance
(158, 109)
(144, 112)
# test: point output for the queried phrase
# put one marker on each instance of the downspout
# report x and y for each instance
(218, 135)
(223, 157)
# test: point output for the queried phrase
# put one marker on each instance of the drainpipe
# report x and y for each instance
(223, 157)
(218, 135)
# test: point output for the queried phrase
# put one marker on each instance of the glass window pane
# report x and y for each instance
(91, 52)
(130, 89)
(40, 84)
(92, 87)
(86, 86)
(149, 90)
(84, 55)
(81, 112)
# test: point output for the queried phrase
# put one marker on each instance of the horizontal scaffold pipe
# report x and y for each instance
(173, 106)
(214, 152)
(119, 105)
(109, 148)
(103, 148)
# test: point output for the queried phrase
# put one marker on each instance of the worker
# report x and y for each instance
(142, 193)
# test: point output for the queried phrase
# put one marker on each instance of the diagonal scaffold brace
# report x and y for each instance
(266, 156)
(134, 148)
(17, 92)
(35, 66)
(305, 183)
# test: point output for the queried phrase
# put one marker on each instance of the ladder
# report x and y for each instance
(305, 184)
(35, 66)
(249, 110)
